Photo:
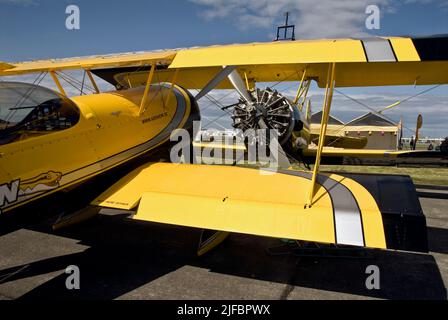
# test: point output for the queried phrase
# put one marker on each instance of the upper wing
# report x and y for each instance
(5, 66)
(368, 62)
(101, 61)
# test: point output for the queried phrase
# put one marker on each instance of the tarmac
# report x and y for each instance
(121, 258)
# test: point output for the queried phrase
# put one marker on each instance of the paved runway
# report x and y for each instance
(120, 258)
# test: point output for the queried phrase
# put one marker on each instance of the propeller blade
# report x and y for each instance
(215, 81)
(238, 84)
(262, 124)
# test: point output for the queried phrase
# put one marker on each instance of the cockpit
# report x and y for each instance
(28, 110)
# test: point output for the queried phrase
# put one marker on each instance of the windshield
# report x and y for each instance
(28, 110)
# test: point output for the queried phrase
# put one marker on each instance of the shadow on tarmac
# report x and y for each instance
(126, 254)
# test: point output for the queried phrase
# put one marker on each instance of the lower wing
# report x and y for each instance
(266, 203)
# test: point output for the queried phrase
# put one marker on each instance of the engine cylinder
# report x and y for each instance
(275, 109)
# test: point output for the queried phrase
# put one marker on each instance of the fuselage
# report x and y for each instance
(98, 133)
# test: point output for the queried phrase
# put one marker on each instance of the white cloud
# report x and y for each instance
(313, 18)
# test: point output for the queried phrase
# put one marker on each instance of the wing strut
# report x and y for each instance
(173, 82)
(302, 91)
(58, 84)
(92, 80)
(323, 128)
(148, 85)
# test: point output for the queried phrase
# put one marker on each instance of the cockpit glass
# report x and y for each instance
(28, 110)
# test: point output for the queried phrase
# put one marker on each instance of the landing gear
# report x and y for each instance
(209, 239)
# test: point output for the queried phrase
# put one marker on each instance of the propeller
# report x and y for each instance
(238, 83)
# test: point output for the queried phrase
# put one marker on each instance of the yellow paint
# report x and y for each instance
(404, 49)
(92, 80)
(371, 128)
(336, 138)
(372, 221)
(323, 129)
(5, 66)
(173, 82)
(246, 81)
(265, 62)
(104, 118)
(350, 74)
(186, 78)
(170, 193)
(120, 60)
(391, 73)
(390, 106)
(145, 92)
(299, 89)
(58, 84)
(282, 52)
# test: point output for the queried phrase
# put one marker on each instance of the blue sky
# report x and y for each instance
(35, 29)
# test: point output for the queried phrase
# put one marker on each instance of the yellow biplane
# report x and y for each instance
(50, 142)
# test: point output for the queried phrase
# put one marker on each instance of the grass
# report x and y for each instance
(424, 175)
(428, 176)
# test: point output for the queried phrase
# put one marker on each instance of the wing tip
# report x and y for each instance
(5, 66)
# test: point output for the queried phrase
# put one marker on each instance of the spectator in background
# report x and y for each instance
(430, 147)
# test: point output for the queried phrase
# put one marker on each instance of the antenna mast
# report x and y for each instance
(286, 27)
